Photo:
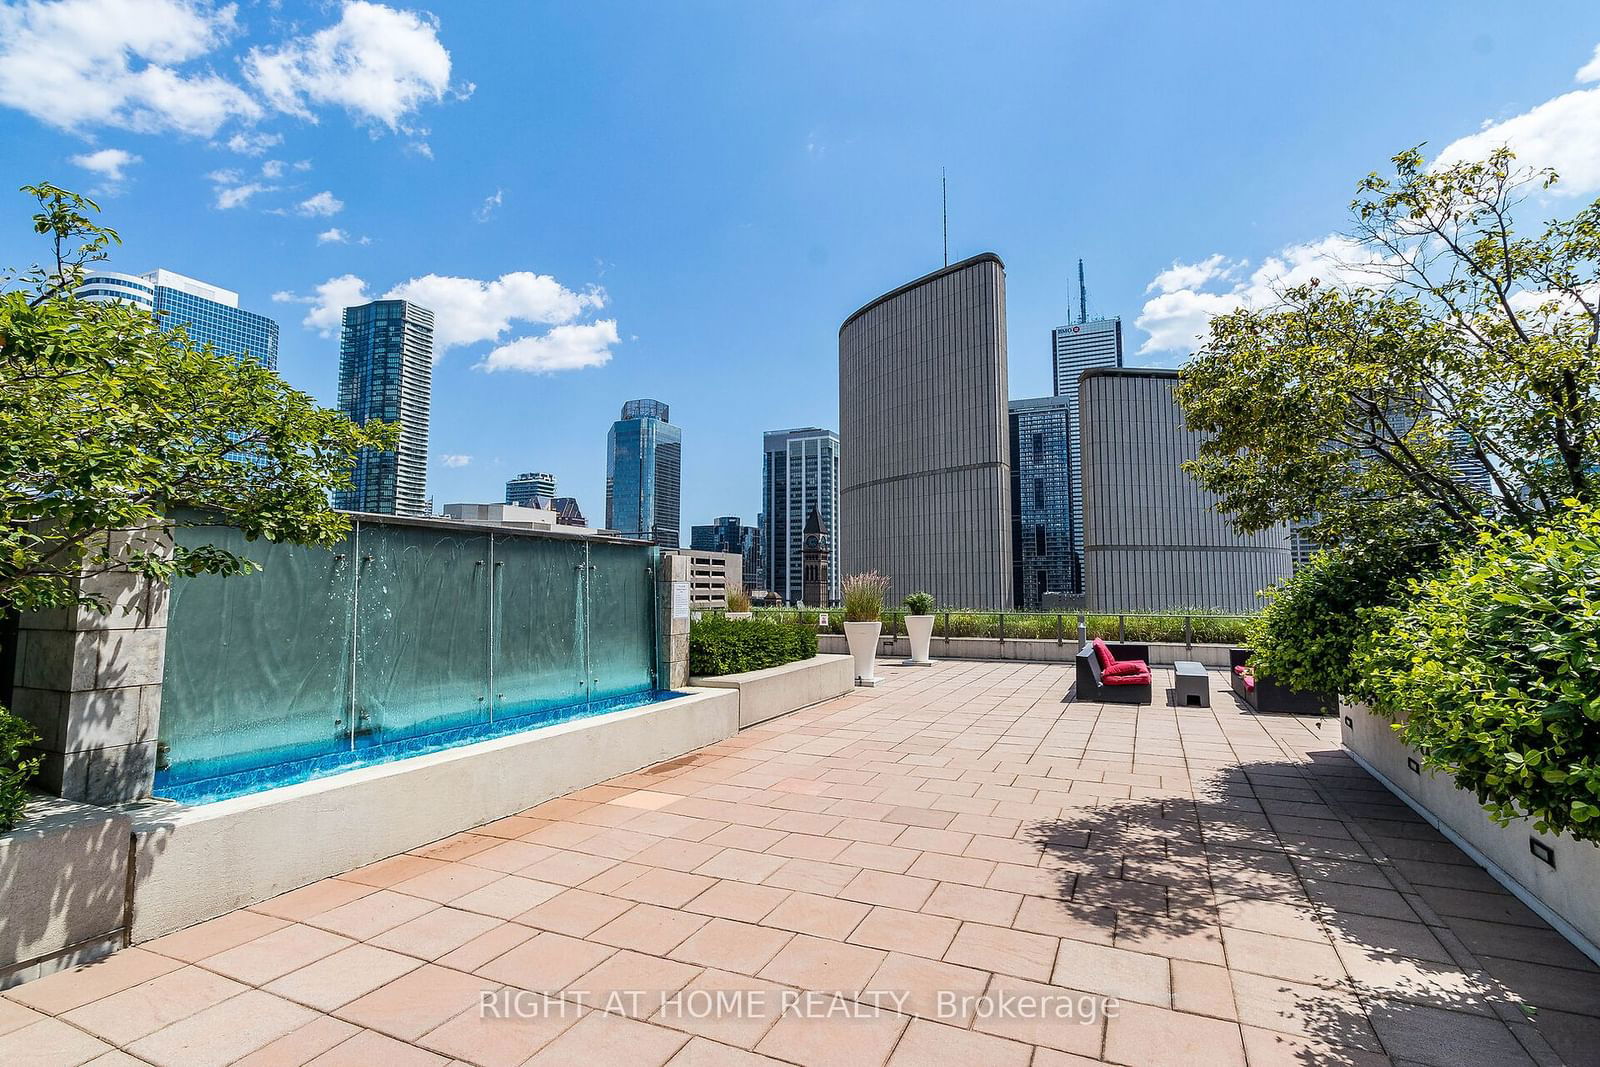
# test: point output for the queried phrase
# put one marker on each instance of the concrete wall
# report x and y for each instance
(924, 459)
(1566, 895)
(1152, 539)
(777, 691)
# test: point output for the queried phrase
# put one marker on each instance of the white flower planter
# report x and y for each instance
(863, 639)
(919, 628)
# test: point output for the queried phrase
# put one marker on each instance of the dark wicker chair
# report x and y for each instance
(1092, 686)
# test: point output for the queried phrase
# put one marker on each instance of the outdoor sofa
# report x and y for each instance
(1114, 674)
(1267, 696)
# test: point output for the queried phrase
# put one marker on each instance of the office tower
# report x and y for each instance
(1153, 539)
(799, 471)
(209, 314)
(531, 490)
(1084, 344)
(925, 478)
(567, 511)
(386, 373)
(815, 549)
(728, 533)
(1041, 503)
(644, 469)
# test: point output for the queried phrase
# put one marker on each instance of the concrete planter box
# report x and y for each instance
(195, 863)
(777, 691)
(63, 889)
(1566, 895)
(1024, 650)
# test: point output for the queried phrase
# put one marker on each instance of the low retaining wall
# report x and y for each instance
(1566, 895)
(1026, 650)
(63, 889)
(777, 691)
(194, 863)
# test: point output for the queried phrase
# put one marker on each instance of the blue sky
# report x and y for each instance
(613, 200)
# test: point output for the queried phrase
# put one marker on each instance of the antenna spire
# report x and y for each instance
(944, 201)
(1083, 296)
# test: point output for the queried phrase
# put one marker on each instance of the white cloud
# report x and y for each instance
(233, 190)
(109, 163)
(1188, 296)
(334, 236)
(253, 144)
(450, 459)
(570, 347)
(376, 62)
(467, 310)
(76, 63)
(490, 204)
(321, 205)
(1563, 133)
(272, 168)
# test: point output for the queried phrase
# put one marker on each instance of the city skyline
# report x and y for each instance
(730, 201)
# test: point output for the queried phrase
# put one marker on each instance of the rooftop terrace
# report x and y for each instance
(1200, 885)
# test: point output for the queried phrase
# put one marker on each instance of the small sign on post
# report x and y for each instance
(822, 620)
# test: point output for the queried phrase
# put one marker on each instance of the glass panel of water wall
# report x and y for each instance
(621, 620)
(422, 632)
(538, 646)
(257, 665)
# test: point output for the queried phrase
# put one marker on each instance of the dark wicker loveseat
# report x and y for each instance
(1267, 696)
(1119, 683)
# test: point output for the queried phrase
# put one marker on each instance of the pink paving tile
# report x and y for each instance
(963, 870)
(215, 935)
(905, 931)
(50, 1041)
(14, 1016)
(647, 928)
(825, 917)
(367, 1048)
(670, 889)
(1283, 957)
(125, 1017)
(387, 872)
(1044, 1015)
(731, 1008)
(496, 941)
(677, 855)
(301, 1045)
(1202, 989)
(549, 963)
(68, 989)
(600, 1038)
(928, 1044)
(914, 985)
(276, 954)
(416, 1002)
(435, 932)
(342, 977)
(888, 858)
(812, 876)
(447, 883)
(632, 984)
(1008, 952)
(742, 865)
(576, 912)
(702, 1053)
(502, 1041)
(732, 946)
(815, 963)
(888, 890)
(738, 900)
(372, 914)
(824, 1041)
(224, 1032)
(313, 899)
(1154, 1037)
(508, 896)
(510, 857)
(569, 868)
(1079, 922)
(1114, 972)
(456, 847)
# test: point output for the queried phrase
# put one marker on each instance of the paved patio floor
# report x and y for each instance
(989, 874)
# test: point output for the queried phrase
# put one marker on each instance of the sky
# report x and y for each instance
(611, 200)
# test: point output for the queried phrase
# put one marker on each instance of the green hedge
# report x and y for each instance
(732, 646)
(1046, 626)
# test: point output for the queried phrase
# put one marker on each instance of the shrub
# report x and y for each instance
(863, 596)
(733, 646)
(1492, 670)
(920, 604)
(738, 600)
(15, 771)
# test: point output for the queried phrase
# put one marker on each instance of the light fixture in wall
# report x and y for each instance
(1542, 852)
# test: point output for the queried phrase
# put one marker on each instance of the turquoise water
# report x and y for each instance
(210, 781)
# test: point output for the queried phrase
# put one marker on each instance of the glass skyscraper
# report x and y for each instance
(1042, 559)
(386, 373)
(644, 472)
(531, 490)
(1087, 344)
(728, 533)
(799, 471)
(209, 314)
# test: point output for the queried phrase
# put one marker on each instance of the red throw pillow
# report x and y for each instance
(1106, 658)
(1239, 670)
(1125, 667)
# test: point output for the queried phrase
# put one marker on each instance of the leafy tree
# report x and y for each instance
(1492, 671)
(108, 423)
(1451, 341)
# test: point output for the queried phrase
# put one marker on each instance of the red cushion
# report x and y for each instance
(1126, 666)
(1140, 678)
(1249, 683)
(1239, 670)
(1100, 649)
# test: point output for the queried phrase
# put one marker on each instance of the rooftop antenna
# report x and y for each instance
(944, 200)
(1083, 296)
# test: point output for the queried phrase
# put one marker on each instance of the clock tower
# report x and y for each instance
(814, 562)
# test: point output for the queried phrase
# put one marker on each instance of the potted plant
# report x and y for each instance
(739, 604)
(919, 628)
(863, 608)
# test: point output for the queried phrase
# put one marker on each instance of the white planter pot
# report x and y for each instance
(919, 628)
(863, 639)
